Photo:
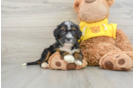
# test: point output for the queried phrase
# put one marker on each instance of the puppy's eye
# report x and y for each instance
(74, 33)
(63, 32)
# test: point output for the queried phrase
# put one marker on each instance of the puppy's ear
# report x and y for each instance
(79, 33)
(56, 32)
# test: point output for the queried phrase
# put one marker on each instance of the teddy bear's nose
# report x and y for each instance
(89, 1)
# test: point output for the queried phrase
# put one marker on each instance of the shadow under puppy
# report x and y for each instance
(67, 35)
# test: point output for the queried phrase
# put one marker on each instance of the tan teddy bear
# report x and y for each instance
(102, 43)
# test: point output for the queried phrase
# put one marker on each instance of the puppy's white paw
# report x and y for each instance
(44, 65)
(78, 62)
(69, 59)
(24, 64)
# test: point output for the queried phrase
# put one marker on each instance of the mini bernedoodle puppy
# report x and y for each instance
(66, 35)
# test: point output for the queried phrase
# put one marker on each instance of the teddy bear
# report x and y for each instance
(56, 62)
(102, 44)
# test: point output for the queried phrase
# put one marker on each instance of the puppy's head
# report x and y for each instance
(67, 32)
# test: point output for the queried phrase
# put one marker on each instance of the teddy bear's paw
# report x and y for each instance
(120, 61)
(69, 59)
(78, 62)
(44, 65)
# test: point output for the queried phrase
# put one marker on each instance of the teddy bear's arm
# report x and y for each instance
(122, 41)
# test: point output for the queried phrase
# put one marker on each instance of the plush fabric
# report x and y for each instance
(57, 62)
(116, 60)
(101, 28)
(110, 2)
(112, 53)
(89, 12)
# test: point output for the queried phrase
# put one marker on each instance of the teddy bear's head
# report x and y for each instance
(92, 10)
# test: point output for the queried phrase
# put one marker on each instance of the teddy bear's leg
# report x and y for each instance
(93, 49)
(122, 41)
(116, 61)
(122, 60)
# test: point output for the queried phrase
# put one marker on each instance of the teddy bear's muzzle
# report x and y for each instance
(89, 1)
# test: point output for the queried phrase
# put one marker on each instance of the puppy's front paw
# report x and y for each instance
(44, 65)
(69, 59)
(78, 62)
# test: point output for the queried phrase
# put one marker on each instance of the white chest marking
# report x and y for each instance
(67, 48)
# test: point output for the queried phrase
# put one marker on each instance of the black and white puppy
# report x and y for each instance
(66, 35)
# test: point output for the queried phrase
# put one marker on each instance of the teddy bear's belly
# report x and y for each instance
(93, 49)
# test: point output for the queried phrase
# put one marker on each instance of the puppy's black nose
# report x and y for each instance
(68, 39)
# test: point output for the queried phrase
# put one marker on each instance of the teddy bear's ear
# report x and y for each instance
(76, 5)
(110, 2)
